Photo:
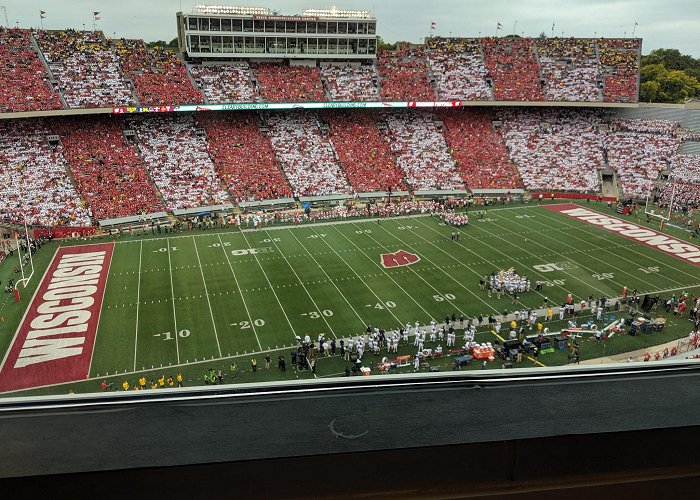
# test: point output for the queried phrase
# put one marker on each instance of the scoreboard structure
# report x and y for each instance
(215, 32)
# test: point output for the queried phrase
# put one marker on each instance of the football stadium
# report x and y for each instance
(283, 197)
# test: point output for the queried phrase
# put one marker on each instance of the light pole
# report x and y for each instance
(514, 26)
(7, 22)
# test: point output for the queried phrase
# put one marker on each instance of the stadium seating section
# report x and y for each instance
(91, 70)
(281, 83)
(109, 174)
(306, 154)
(638, 150)
(158, 74)
(178, 161)
(244, 157)
(421, 151)
(36, 187)
(222, 84)
(87, 68)
(76, 170)
(561, 148)
(685, 181)
(619, 65)
(481, 155)
(404, 75)
(364, 153)
(512, 64)
(459, 70)
(569, 69)
(351, 83)
(24, 81)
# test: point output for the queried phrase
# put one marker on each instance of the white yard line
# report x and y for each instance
(320, 312)
(330, 280)
(589, 230)
(355, 273)
(172, 295)
(514, 259)
(247, 311)
(462, 264)
(440, 268)
(138, 300)
(544, 234)
(591, 255)
(271, 287)
(206, 292)
(369, 235)
(387, 274)
(102, 303)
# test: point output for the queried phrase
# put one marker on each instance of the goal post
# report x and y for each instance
(25, 279)
(660, 216)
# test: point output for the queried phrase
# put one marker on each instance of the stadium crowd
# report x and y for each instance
(569, 69)
(404, 75)
(685, 179)
(158, 74)
(364, 153)
(479, 151)
(421, 151)
(307, 156)
(178, 161)
(35, 183)
(619, 63)
(108, 172)
(24, 81)
(351, 83)
(512, 64)
(281, 83)
(88, 70)
(561, 148)
(225, 83)
(458, 68)
(638, 150)
(243, 157)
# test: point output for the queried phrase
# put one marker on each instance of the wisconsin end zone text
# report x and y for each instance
(55, 340)
(680, 249)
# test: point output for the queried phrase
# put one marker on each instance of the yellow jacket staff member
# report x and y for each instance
(125, 385)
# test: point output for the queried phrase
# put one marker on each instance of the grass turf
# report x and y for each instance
(194, 300)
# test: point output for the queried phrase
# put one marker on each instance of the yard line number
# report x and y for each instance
(317, 314)
(243, 325)
(183, 334)
(442, 298)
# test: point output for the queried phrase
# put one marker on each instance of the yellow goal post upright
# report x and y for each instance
(660, 216)
(25, 279)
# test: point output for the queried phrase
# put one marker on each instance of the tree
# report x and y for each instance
(666, 75)
(173, 43)
(673, 59)
(382, 45)
(659, 84)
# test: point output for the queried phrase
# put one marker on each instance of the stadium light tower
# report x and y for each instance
(7, 22)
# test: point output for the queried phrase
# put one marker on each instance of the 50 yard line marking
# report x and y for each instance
(206, 292)
(172, 295)
(138, 299)
(247, 311)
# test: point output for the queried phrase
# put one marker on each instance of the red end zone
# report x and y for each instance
(54, 342)
(683, 250)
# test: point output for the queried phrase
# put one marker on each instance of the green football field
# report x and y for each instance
(209, 296)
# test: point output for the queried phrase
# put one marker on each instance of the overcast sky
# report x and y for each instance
(662, 23)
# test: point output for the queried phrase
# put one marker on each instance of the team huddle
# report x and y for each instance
(507, 281)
